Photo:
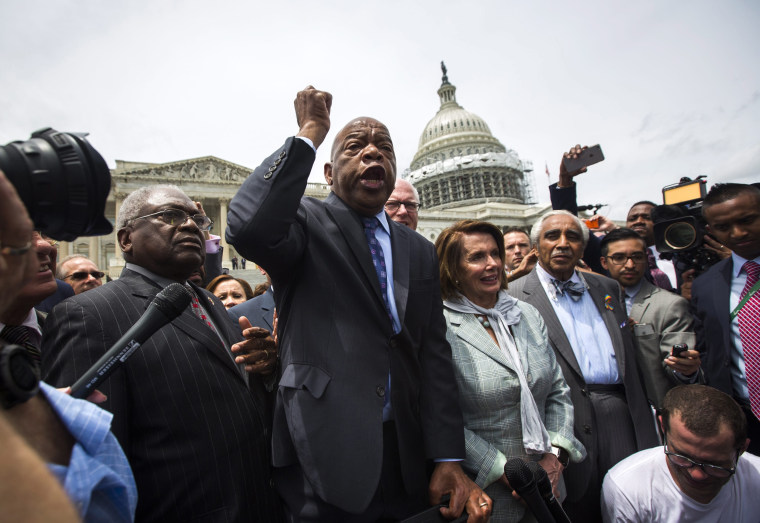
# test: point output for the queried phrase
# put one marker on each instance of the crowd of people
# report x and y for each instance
(374, 374)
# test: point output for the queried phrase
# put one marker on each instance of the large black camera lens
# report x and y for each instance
(63, 182)
(680, 235)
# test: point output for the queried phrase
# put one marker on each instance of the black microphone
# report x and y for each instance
(521, 480)
(545, 489)
(167, 305)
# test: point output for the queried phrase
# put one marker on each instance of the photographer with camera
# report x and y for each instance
(726, 303)
(71, 436)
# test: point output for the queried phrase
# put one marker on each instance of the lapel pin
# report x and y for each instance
(608, 303)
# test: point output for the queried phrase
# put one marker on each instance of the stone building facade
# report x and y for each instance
(209, 180)
(460, 170)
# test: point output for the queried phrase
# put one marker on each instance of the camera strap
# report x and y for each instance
(746, 298)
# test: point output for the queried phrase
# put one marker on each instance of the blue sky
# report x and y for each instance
(669, 89)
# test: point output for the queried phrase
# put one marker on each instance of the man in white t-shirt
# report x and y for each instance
(701, 474)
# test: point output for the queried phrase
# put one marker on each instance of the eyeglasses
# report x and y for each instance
(621, 259)
(82, 275)
(711, 470)
(176, 217)
(393, 205)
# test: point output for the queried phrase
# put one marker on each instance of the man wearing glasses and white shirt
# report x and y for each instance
(403, 204)
(701, 474)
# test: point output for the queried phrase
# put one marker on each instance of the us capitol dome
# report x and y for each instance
(462, 171)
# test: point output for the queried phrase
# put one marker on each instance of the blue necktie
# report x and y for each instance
(378, 259)
(573, 289)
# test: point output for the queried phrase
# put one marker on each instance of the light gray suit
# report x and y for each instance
(586, 477)
(489, 394)
(662, 319)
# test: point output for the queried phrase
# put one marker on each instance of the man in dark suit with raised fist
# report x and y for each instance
(367, 397)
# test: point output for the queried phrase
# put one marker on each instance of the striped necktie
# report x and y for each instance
(378, 259)
(749, 333)
(19, 335)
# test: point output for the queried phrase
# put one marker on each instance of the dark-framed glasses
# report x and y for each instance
(711, 470)
(176, 217)
(621, 259)
(393, 205)
(82, 275)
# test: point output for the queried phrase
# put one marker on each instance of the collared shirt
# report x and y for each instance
(98, 479)
(738, 281)
(35, 334)
(665, 266)
(383, 235)
(165, 282)
(586, 331)
(630, 295)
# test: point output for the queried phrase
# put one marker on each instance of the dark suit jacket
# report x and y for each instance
(710, 298)
(193, 431)
(337, 344)
(63, 291)
(529, 289)
(259, 310)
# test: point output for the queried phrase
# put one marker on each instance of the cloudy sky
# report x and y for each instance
(668, 88)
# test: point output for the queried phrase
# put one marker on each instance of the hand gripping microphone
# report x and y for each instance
(521, 479)
(545, 490)
(167, 305)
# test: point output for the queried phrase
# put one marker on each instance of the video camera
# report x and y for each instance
(63, 182)
(679, 227)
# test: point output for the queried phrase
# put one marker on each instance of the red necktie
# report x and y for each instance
(749, 333)
(198, 310)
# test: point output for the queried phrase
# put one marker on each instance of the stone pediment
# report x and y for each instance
(208, 169)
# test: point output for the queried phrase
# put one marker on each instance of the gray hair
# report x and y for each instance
(414, 189)
(59, 271)
(136, 200)
(535, 231)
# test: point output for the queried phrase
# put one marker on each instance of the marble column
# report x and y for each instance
(223, 227)
(118, 199)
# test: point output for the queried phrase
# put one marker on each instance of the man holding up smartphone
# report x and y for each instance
(661, 319)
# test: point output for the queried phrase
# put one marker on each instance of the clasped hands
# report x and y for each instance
(258, 351)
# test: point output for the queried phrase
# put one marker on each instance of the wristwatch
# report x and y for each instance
(562, 455)
(19, 376)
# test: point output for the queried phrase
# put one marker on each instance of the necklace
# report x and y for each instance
(483, 321)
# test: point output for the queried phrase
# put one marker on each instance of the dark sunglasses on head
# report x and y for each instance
(82, 275)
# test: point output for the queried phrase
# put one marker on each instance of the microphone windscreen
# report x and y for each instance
(172, 300)
(518, 474)
(541, 478)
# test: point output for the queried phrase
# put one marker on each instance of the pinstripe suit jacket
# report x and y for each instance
(193, 431)
(489, 394)
(529, 289)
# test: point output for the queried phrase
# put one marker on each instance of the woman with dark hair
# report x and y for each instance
(232, 291)
(513, 397)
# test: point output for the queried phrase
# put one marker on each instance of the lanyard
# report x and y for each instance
(746, 298)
